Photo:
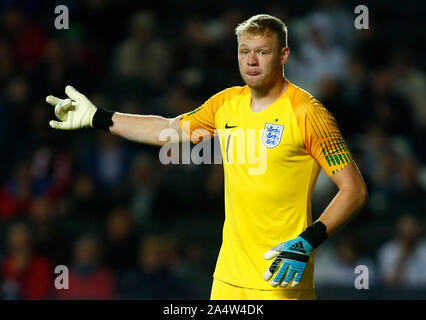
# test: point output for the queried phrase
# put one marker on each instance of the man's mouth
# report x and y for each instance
(253, 73)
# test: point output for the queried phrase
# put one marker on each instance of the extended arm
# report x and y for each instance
(144, 129)
(77, 112)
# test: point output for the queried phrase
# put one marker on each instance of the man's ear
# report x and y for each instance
(285, 54)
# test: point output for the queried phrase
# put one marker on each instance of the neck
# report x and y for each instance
(262, 98)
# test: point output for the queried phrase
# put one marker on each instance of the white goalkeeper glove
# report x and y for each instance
(75, 112)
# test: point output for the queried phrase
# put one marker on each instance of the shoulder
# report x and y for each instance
(209, 108)
(215, 102)
(230, 93)
(303, 102)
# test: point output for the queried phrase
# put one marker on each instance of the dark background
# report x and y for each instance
(128, 226)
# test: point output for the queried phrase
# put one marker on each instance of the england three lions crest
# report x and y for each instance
(272, 135)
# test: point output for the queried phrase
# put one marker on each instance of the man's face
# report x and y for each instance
(260, 60)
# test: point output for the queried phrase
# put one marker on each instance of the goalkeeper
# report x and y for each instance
(269, 238)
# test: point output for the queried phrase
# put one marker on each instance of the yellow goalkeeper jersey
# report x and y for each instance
(271, 162)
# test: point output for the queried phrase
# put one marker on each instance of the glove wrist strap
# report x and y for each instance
(102, 119)
(315, 234)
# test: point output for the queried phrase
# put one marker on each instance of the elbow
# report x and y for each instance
(357, 196)
(363, 196)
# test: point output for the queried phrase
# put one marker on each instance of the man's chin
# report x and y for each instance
(254, 84)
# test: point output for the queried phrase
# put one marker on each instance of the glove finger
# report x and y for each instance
(297, 278)
(73, 93)
(273, 267)
(57, 125)
(288, 277)
(53, 100)
(294, 283)
(63, 104)
(280, 275)
(61, 109)
(68, 106)
(270, 254)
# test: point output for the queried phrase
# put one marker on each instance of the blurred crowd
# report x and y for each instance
(128, 227)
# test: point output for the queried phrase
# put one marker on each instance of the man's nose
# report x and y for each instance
(252, 59)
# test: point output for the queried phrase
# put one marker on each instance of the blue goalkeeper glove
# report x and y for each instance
(292, 256)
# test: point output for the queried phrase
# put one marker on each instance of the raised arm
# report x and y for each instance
(76, 112)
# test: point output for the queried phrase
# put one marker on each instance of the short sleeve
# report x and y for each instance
(200, 123)
(322, 137)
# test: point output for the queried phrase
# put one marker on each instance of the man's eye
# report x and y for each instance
(262, 52)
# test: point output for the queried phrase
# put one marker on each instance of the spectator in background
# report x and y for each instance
(391, 111)
(410, 196)
(143, 58)
(83, 200)
(107, 162)
(354, 94)
(84, 62)
(318, 58)
(213, 187)
(53, 68)
(26, 274)
(190, 268)
(341, 19)
(154, 278)
(143, 190)
(176, 99)
(7, 62)
(28, 38)
(410, 82)
(120, 239)
(370, 46)
(47, 236)
(87, 278)
(112, 160)
(17, 94)
(331, 95)
(16, 195)
(51, 169)
(335, 265)
(378, 158)
(402, 260)
(220, 66)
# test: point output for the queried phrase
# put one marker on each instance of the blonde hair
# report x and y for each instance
(264, 24)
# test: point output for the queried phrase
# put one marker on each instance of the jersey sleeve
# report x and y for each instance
(200, 123)
(322, 137)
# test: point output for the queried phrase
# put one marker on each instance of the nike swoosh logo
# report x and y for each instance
(229, 127)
